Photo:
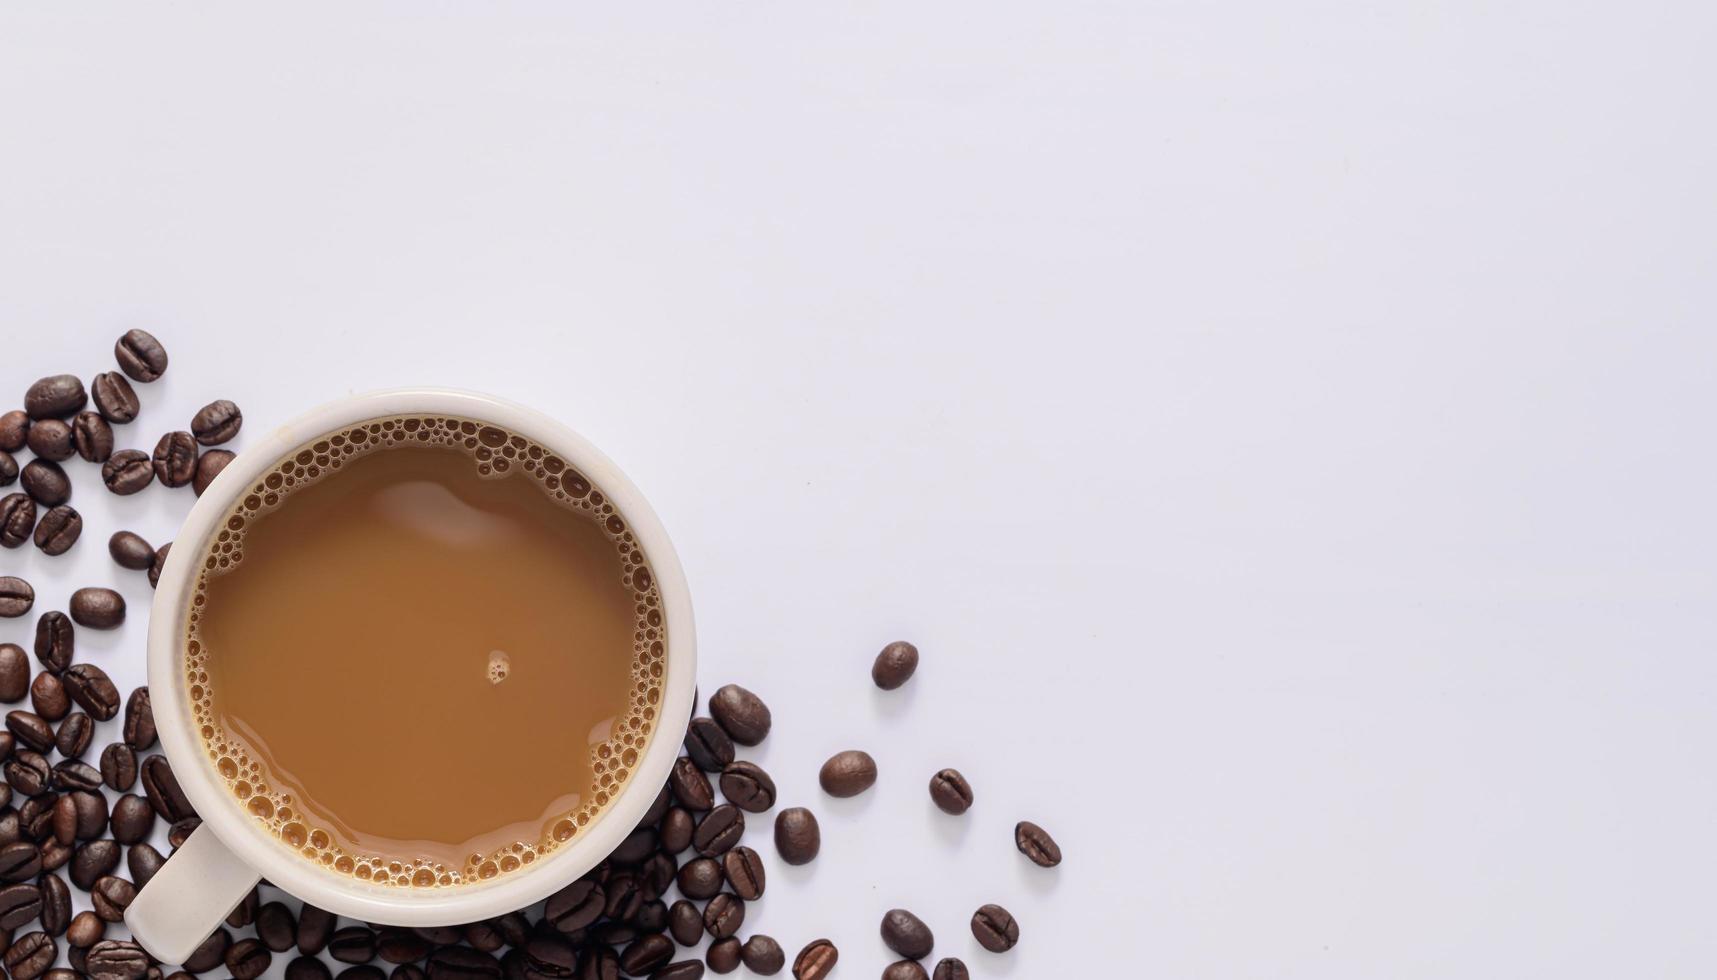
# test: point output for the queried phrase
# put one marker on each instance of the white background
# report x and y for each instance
(1284, 427)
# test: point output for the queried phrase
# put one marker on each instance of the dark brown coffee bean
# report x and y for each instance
(353, 944)
(763, 955)
(637, 846)
(143, 861)
(90, 809)
(599, 964)
(723, 916)
(816, 960)
(440, 935)
(56, 641)
(163, 789)
(907, 934)
(742, 713)
(56, 904)
(308, 968)
(31, 955)
(847, 773)
(54, 397)
(708, 745)
(140, 355)
(52, 441)
(30, 729)
(514, 927)
(37, 816)
(159, 563)
(86, 930)
(995, 929)
(625, 896)
(691, 786)
(111, 896)
(114, 397)
(315, 928)
(58, 530)
(647, 955)
(139, 726)
(363, 972)
(118, 959)
(130, 551)
(209, 465)
(73, 738)
(576, 906)
(14, 673)
(19, 903)
(701, 878)
(16, 596)
(216, 422)
(92, 437)
(550, 956)
(97, 608)
(744, 870)
(683, 970)
(8, 468)
(17, 519)
(797, 836)
(1035, 843)
(181, 831)
(399, 946)
(484, 936)
(70, 774)
(723, 956)
(92, 861)
(20, 861)
(14, 430)
(950, 792)
(685, 923)
(904, 970)
(175, 459)
(244, 913)
(93, 691)
(133, 820)
(119, 767)
(127, 471)
(676, 831)
(48, 696)
(210, 953)
(46, 482)
(462, 963)
(748, 787)
(719, 830)
(28, 773)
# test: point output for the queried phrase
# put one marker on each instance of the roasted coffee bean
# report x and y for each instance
(159, 563)
(51, 440)
(65, 820)
(685, 923)
(315, 927)
(93, 861)
(31, 955)
(139, 725)
(614, 933)
(683, 970)
(676, 832)
(308, 968)
(19, 903)
(723, 916)
(133, 819)
(744, 870)
(143, 861)
(484, 936)
(847, 773)
(73, 738)
(72, 774)
(14, 673)
(54, 397)
(98, 608)
(244, 913)
(763, 955)
(353, 944)
(140, 355)
(440, 935)
(48, 696)
(653, 917)
(118, 959)
(114, 397)
(175, 459)
(56, 904)
(58, 530)
(748, 787)
(8, 468)
(723, 956)
(91, 815)
(17, 519)
(995, 929)
(691, 786)
(797, 836)
(127, 471)
(7, 744)
(361, 973)
(637, 846)
(708, 745)
(130, 551)
(111, 896)
(513, 927)
(93, 690)
(19, 861)
(54, 855)
(907, 934)
(550, 956)
(210, 953)
(719, 830)
(36, 816)
(56, 641)
(657, 875)
(14, 430)
(398, 946)
(11, 826)
(904, 970)
(625, 896)
(658, 806)
(816, 960)
(742, 713)
(181, 831)
(950, 792)
(209, 465)
(1035, 843)
(45, 481)
(647, 955)
(216, 422)
(16, 596)
(701, 878)
(86, 930)
(462, 963)
(30, 729)
(576, 906)
(28, 773)
(599, 964)
(119, 767)
(92, 437)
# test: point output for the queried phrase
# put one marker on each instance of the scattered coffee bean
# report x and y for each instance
(93, 861)
(950, 791)
(763, 955)
(848, 773)
(600, 964)
(56, 641)
(14, 673)
(744, 870)
(549, 956)
(797, 836)
(719, 830)
(484, 936)
(92, 437)
(16, 596)
(46, 482)
(20, 861)
(210, 953)
(657, 874)
(127, 471)
(31, 955)
(723, 916)
(723, 956)
(894, 665)
(907, 934)
(904, 970)
(708, 745)
(139, 726)
(111, 896)
(86, 930)
(159, 563)
(14, 430)
(216, 422)
(8, 468)
(89, 810)
(308, 968)
(353, 944)
(625, 896)
(143, 860)
(315, 928)
(648, 954)
(56, 904)
(742, 713)
(364, 972)
(576, 906)
(691, 786)
(748, 787)
(675, 834)
(17, 519)
(28, 773)
(700, 878)
(133, 819)
(685, 923)
(140, 355)
(58, 530)
(70, 774)
(73, 738)
(995, 929)
(93, 691)
(816, 960)
(52, 439)
(114, 397)
(637, 846)
(54, 397)
(399, 946)
(209, 466)
(117, 959)
(462, 963)
(119, 767)
(163, 789)
(130, 551)
(683, 970)
(1035, 843)
(19, 903)
(175, 459)
(98, 608)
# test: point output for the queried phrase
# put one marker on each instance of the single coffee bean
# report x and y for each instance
(514, 927)
(55, 641)
(995, 929)
(1035, 843)
(31, 955)
(550, 956)
(20, 861)
(130, 551)
(143, 861)
(48, 696)
(763, 955)
(244, 913)
(37, 816)
(308, 968)
(140, 355)
(462, 963)
(56, 904)
(117, 959)
(685, 923)
(92, 437)
(797, 836)
(93, 691)
(353, 944)
(440, 935)
(8, 468)
(708, 745)
(614, 932)
(484, 936)
(648, 954)
(950, 792)
(216, 422)
(27, 773)
(625, 896)
(30, 729)
(14, 673)
(683, 970)
(742, 713)
(119, 767)
(86, 930)
(247, 959)
(904, 970)
(17, 519)
(675, 834)
(93, 861)
(97, 608)
(19, 903)
(74, 736)
(111, 896)
(126, 472)
(163, 789)
(114, 397)
(653, 917)
(701, 878)
(210, 953)
(658, 806)
(14, 430)
(719, 830)
(361, 973)
(723, 916)
(723, 956)
(748, 787)
(209, 466)
(847, 773)
(16, 596)
(691, 786)
(46, 482)
(907, 934)
(54, 397)
(159, 563)
(399, 946)
(315, 928)
(744, 869)
(52, 440)
(576, 906)
(637, 846)
(139, 726)
(133, 820)
(599, 964)
(58, 530)
(175, 459)
(816, 960)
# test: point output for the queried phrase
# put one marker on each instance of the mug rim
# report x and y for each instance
(343, 894)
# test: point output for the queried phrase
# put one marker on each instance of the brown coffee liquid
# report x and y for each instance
(424, 651)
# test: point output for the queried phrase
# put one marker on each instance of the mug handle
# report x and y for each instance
(187, 899)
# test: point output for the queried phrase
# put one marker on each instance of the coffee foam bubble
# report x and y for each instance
(495, 453)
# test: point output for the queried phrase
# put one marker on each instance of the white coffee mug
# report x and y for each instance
(226, 856)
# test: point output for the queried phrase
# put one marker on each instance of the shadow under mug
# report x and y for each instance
(226, 856)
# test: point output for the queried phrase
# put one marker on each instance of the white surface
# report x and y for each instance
(1285, 428)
